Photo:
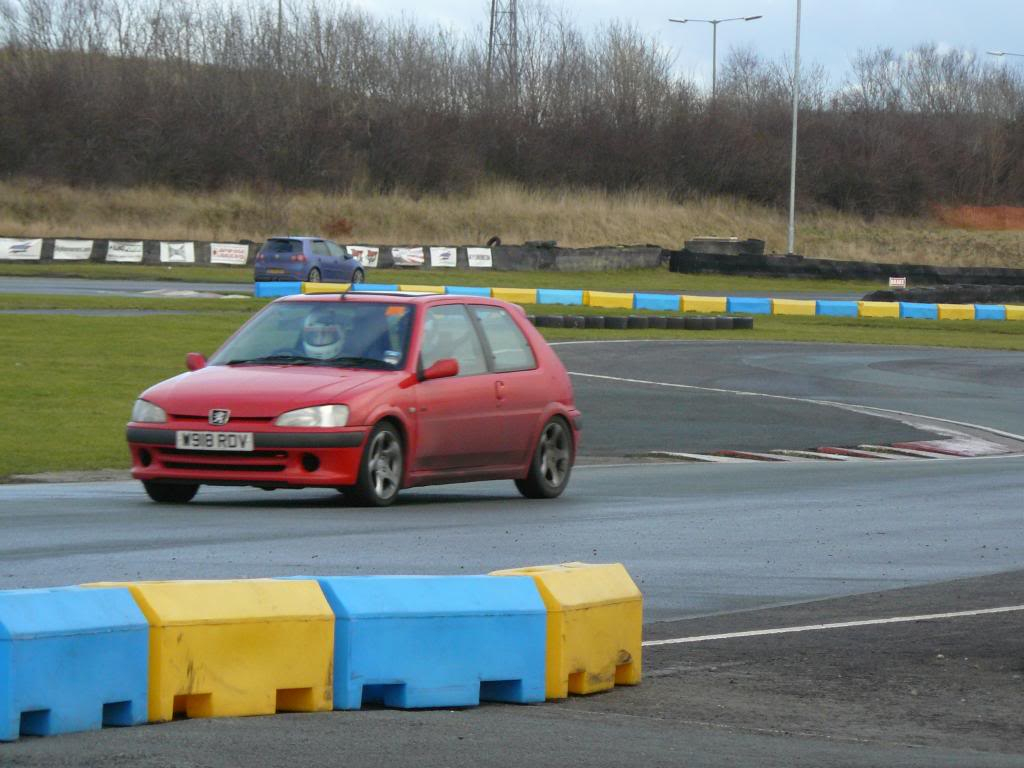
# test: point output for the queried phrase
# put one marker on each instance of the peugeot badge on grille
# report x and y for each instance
(219, 417)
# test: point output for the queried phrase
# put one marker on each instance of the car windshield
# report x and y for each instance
(344, 334)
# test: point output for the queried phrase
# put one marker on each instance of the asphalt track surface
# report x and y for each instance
(715, 548)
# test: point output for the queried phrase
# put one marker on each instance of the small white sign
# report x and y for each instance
(177, 253)
(367, 255)
(897, 282)
(479, 257)
(20, 250)
(129, 251)
(407, 257)
(234, 254)
(72, 250)
(442, 257)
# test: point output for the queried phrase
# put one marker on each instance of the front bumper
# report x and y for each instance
(279, 459)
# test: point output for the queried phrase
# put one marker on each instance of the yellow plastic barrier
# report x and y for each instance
(608, 300)
(325, 287)
(515, 295)
(705, 303)
(956, 311)
(794, 307)
(1014, 312)
(422, 288)
(879, 309)
(234, 648)
(595, 626)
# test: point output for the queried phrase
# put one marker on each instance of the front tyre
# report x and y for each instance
(170, 493)
(380, 470)
(552, 463)
(358, 277)
(314, 276)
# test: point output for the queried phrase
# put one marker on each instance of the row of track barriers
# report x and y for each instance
(670, 302)
(127, 653)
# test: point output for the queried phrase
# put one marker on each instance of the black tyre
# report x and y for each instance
(380, 470)
(692, 323)
(552, 463)
(616, 321)
(575, 321)
(724, 323)
(745, 323)
(358, 277)
(550, 321)
(658, 321)
(594, 321)
(707, 323)
(314, 276)
(170, 493)
(638, 322)
(677, 323)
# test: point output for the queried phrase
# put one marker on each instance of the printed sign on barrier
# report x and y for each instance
(177, 253)
(367, 255)
(72, 250)
(442, 257)
(20, 250)
(897, 282)
(125, 251)
(407, 257)
(479, 257)
(229, 253)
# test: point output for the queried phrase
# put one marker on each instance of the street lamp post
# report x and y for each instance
(1003, 53)
(796, 112)
(714, 41)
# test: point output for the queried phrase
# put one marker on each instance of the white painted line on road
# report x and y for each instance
(838, 625)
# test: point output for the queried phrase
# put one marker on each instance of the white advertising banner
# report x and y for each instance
(177, 253)
(229, 253)
(20, 250)
(442, 257)
(125, 251)
(367, 255)
(407, 257)
(72, 250)
(479, 257)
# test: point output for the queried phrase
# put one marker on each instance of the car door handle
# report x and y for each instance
(499, 390)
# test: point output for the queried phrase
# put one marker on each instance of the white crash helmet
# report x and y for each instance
(323, 334)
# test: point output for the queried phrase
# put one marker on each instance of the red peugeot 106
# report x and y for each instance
(368, 393)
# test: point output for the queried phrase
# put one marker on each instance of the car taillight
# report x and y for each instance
(299, 257)
(259, 256)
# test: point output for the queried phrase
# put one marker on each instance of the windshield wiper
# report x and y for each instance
(367, 362)
(274, 360)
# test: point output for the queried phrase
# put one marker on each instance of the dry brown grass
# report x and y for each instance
(572, 217)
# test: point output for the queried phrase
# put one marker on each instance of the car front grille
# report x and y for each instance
(224, 461)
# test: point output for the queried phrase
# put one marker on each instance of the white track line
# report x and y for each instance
(838, 625)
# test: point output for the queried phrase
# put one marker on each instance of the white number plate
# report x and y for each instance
(214, 441)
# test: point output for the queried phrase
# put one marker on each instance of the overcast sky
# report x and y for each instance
(832, 31)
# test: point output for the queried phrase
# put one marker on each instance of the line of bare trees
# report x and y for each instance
(197, 93)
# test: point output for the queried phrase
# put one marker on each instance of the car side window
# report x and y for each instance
(319, 248)
(337, 250)
(448, 332)
(509, 347)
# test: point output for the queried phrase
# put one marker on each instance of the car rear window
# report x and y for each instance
(282, 245)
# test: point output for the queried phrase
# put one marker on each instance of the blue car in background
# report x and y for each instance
(307, 259)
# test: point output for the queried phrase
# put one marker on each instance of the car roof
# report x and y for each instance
(296, 237)
(399, 297)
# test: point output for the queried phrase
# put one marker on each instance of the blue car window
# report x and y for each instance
(319, 248)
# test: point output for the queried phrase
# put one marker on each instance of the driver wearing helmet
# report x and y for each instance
(323, 334)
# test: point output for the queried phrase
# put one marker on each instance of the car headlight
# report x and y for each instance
(317, 416)
(147, 413)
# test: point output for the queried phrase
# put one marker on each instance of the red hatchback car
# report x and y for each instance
(367, 393)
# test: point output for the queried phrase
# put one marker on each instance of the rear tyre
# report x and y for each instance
(380, 470)
(314, 276)
(358, 277)
(552, 463)
(170, 493)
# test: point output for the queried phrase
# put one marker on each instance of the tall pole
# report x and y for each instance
(714, 59)
(796, 112)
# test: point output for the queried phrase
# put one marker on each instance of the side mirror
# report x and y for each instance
(442, 369)
(194, 361)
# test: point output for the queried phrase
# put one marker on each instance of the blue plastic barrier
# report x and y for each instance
(71, 660)
(274, 290)
(749, 306)
(989, 311)
(554, 296)
(465, 290)
(912, 311)
(838, 308)
(436, 641)
(658, 301)
(374, 287)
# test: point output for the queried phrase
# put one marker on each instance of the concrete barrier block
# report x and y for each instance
(553, 296)
(794, 307)
(704, 303)
(595, 625)
(375, 287)
(956, 312)
(1014, 312)
(838, 308)
(658, 302)
(749, 305)
(516, 295)
(274, 290)
(465, 290)
(436, 641)
(70, 660)
(879, 308)
(914, 311)
(315, 288)
(989, 312)
(422, 288)
(234, 648)
(608, 300)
